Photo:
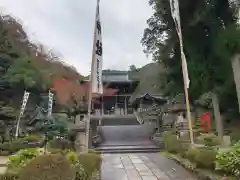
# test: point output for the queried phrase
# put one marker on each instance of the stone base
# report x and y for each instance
(96, 140)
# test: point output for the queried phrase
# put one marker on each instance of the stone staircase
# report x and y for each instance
(128, 149)
(126, 135)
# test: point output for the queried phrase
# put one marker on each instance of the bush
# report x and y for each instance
(20, 160)
(32, 138)
(191, 154)
(171, 142)
(8, 177)
(48, 167)
(229, 161)
(60, 144)
(16, 145)
(80, 172)
(91, 163)
(205, 157)
(209, 140)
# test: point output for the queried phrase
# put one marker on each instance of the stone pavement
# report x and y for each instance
(141, 167)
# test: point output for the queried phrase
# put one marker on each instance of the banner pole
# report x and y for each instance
(189, 117)
(88, 119)
(175, 11)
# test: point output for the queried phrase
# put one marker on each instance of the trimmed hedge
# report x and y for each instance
(31, 164)
(203, 157)
(9, 177)
(91, 163)
(209, 140)
(12, 147)
(48, 167)
(171, 142)
(18, 161)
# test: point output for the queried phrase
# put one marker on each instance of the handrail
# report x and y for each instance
(139, 119)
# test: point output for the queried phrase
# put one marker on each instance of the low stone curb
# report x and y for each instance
(200, 173)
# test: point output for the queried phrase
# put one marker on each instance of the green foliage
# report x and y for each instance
(205, 157)
(22, 72)
(191, 154)
(48, 167)
(19, 160)
(80, 171)
(91, 163)
(171, 142)
(210, 38)
(72, 157)
(209, 140)
(16, 145)
(32, 138)
(8, 176)
(60, 144)
(229, 161)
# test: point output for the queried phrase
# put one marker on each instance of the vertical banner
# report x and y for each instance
(23, 106)
(174, 4)
(97, 86)
(50, 103)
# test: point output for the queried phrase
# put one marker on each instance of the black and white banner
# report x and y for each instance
(97, 86)
(176, 17)
(24, 102)
(50, 103)
(23, 106)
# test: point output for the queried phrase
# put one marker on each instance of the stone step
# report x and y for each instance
(128, 149)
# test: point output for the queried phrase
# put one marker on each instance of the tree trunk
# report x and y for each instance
(236, 73)
(217, 115)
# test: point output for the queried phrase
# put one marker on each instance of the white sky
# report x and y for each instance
(67, 27)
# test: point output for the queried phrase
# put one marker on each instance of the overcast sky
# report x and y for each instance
(67, 27)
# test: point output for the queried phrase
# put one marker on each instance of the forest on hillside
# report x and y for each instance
(27, 66)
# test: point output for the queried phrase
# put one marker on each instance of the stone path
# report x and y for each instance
(141, 167)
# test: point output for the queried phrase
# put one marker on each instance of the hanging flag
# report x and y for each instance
(174, 4)
(96, 73)
(23, 106)
(50, 103)
(24, 102)
(176, 15)
(185, 70)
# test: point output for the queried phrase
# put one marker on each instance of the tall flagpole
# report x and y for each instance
(176, 17)
(90, 88)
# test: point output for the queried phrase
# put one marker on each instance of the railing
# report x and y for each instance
(139, 118)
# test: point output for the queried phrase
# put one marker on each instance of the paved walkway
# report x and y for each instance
(141, 167)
